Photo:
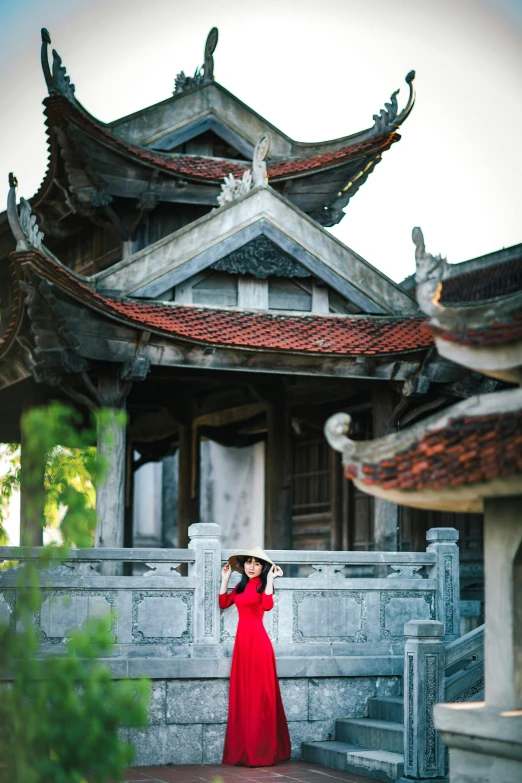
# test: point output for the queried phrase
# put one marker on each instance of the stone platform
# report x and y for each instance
(290, 772)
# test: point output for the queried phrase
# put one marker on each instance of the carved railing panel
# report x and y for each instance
(161, 613)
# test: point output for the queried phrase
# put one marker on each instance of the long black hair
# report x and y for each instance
(262, 576)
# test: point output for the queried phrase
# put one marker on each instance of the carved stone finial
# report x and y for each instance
(336, 432)
(23, 224)
(233, 188)
(202, 74)
(58, 82)
(261, 151)
(210, 48)
(428, 267)
(388, 119)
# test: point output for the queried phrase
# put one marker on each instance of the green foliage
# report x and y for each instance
(9, 481)
(60, 714)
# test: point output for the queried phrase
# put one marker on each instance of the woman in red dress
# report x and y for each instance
(257, 731)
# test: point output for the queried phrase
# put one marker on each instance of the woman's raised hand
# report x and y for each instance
(226, 571)
(274, 572)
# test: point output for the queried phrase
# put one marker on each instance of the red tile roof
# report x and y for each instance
(468, 450)
(206, 168)
(486, 283)
(494, 334)
(310, 334)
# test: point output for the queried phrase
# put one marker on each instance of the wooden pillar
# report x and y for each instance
(169, 501)
(278, 477)
(111, 444)
(32, 496)
(338, 530)
(386, 514)
(110, 495)
(188, 481)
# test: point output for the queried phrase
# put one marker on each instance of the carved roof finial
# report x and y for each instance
(430, 270)
(232, 188)
(210, 48)
(428, 266)
(57, 80)
(388, 119)
(261, 151)
(336, 431)
(23, 224)
(202, 74)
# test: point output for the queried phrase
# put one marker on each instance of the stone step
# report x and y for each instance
(388, 708)
(346, 756)
(371, 733)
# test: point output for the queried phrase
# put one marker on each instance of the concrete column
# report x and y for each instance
(385, 514)
(278, 504)
(205, 541)
(503, 571)
(424, 662)
(442, 541)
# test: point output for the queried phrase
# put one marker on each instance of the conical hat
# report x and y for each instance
(257, 553)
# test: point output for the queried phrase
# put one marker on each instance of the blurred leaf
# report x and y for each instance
(60, 714)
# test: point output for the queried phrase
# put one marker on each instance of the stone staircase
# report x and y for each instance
(371, 747)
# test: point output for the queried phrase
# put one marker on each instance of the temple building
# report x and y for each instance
(175, 263)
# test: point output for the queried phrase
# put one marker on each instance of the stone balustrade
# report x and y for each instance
(338, 636)
(323, 624)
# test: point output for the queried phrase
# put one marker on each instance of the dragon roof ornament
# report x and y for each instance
(57, 80)
(203, 74)
(22, 223)
(233, 188)
(388, 118)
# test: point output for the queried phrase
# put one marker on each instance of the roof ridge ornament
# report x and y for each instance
(23, 224)
(388, 119)
(232, 188)
(257, 176)
(336, 432)
(203, 73)
(430, 271)
(261, 151)
(58, 82)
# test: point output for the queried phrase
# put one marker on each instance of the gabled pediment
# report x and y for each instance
(269, 231)
(208, 106)
(192, 139)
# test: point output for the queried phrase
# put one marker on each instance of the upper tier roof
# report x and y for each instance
(104, 160)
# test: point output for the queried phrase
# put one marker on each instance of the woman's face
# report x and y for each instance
(253, 568)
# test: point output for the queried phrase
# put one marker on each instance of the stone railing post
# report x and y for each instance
(204, 539)
(424, 659)
(442, 541)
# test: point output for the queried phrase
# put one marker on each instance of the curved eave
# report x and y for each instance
(467, 499)
(450, 461)
(483, 335)
(320, 336)
(213, 170)
(9, 335)
(298, 149)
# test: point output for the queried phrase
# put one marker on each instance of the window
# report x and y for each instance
(311, 517)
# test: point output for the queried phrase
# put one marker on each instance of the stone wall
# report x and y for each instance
(187, 718)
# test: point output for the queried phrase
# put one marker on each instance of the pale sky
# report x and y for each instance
(316, 70)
